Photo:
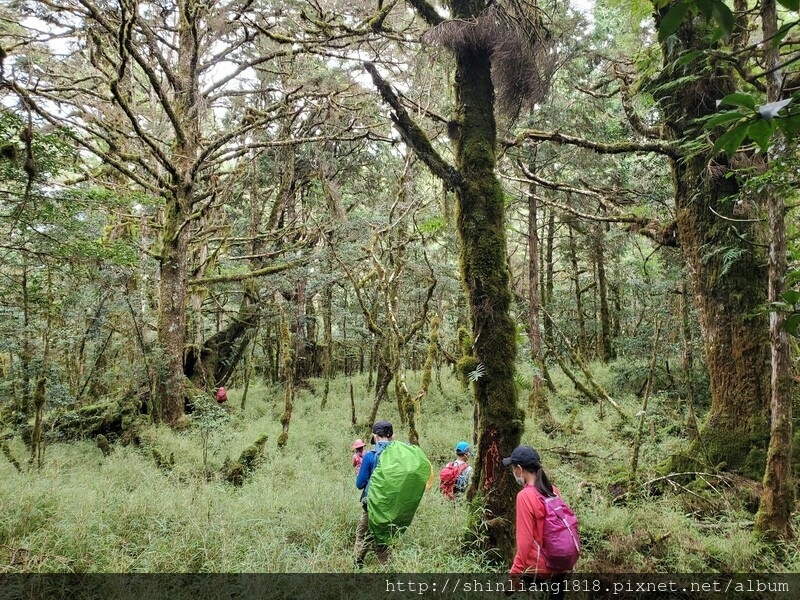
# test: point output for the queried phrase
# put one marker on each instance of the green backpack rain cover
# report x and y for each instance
(395, 490)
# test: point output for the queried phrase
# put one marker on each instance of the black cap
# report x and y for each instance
(525, 456)
(383, 429)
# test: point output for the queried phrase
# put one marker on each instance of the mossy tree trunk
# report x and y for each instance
(412, 405)
(249, 369)
(337, 209)
(287, 361)
(39, 393)
(727, 269)
(178, 203)
(383, 378)
(604, 348)
(576, 281)
(481, 226)
(169, 404)
(480, 221)
(537, 400)
(637, 440)
(221, 354)
(205, 261)
(327, 342)
(343, 327)
(548, 271)
(774, 517)
(23, 404)
(687, 364)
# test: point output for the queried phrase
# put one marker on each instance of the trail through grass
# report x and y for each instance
(298, 511)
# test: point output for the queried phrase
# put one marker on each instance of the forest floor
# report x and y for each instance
(297, 510)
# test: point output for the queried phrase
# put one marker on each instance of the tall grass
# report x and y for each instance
(298, 511)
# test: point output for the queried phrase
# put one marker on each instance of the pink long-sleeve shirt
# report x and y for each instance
(530, 527)
(357, 459)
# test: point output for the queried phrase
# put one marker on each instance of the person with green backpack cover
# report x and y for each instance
(393, 477)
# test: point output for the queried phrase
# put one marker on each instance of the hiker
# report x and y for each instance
(382, 436)
(455, 476)
(546, 530)
(358, 454)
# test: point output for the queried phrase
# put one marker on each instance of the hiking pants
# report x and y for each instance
(365, 542)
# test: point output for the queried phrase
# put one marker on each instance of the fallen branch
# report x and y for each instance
(579, 385)
(738, 524)
(564, 451)
(693, 474)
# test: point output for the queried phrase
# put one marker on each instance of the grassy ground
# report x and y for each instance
(298, 511)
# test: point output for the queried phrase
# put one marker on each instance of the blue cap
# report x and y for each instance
(462, 448)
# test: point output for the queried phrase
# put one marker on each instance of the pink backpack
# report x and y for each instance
(222, 395)
(561, 544)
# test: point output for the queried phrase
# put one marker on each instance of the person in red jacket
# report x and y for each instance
(526, 467)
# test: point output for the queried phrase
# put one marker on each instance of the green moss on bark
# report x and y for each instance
(236, 472)
(773, 519)
(727, 270)
(492, 341)
(736, 450)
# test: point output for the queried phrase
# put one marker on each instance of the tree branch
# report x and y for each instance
(413, 135)
(599, 147)
(427, 12)
(664, 235)
(634, 119)
(249, 275)
(150, 73)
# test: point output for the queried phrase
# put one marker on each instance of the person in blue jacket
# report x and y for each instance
(382, 436)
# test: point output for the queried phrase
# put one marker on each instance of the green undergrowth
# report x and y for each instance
(297, 508)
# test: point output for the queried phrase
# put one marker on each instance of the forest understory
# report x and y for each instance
(175, 501)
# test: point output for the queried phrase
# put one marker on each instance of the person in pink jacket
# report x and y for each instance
(529, 562)
(358, 454)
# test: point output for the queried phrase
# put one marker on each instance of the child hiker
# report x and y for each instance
(358, 454)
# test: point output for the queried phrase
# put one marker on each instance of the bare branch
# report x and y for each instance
(664, 235)
(634, 119)
(146, 67)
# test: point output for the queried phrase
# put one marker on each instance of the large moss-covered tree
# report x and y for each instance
(485, 39)
(718, 236)
(720, 242)
(765, 69)
(132, 90)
